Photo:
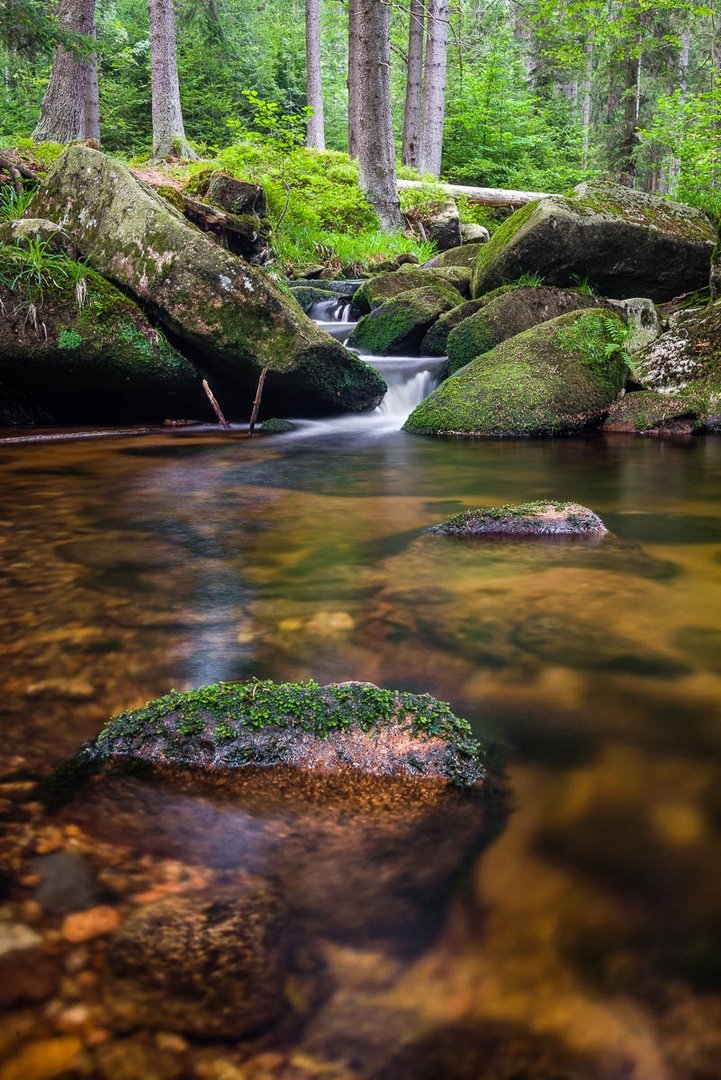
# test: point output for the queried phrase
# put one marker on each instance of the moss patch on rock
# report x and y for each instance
(543, 517)
(646, 412)
(627, 243)
(384, 287)
(435, 343)
(464, 255)
(399, 326)
(560, 376)
(505, 315)
(230, 725)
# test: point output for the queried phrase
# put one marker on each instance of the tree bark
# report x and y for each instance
(434, 87)
(376, 144)
(413, 103)
(353, 79)
(586, 107)
(91, 102)
(62, 113)
(631, 111)
(315, 132)
(168, 129)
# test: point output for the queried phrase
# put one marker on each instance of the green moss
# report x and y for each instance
(275, 426)
(399, 326)
(383, 287)
(498, 242)
(539, 382)
(641, 208)
(69, 339)
(229, 713)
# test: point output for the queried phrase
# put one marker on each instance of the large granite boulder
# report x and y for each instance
(383, 287)
(22, 232)
(627, 243)
(360, 804)
(399, 326)
(82, 352)
(463, 255)
(646, 412)
(560, 376)
(509, 314)
(220, 308)
(686, 361)
(435, 343)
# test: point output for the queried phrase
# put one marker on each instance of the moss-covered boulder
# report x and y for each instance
(508, 314)
(219, 306)
(646, 412)
(459, 277)
(22, 232)
(81, 351)
(627, 243)
(540, 518)
(361, 804)
(277, 426)
(560, 376)
(464, 255)
(383, 287)
(308, 295)
(398, 327)
(435, 343)
(686, 361)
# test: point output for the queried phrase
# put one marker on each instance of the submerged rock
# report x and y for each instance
(399, 326)
(560, 376)
(627, 243)
(646, 412)
(81, 351)
(508, 314)
(221, 308)
(541, 518)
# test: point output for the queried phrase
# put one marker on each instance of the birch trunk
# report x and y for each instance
(353, 78)
(434, 87)
(62, 112)
(413, 103)
(168, 129)
(315, 132)
(376, 144)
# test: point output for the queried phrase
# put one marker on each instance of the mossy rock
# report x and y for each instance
(308, 295)
(560, 376)
(435, 343)
(646, 412)
(541, 518)
(626, 243)
(459, 277)
(83, 352)
(229, 725)
(384, 287)
(398, 327)
(465, 255)
(22, 231)
(508, 314)
(276, 426)
(221, 308)
(686, 361)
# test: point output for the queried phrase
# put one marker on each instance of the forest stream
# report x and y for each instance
(586, 942)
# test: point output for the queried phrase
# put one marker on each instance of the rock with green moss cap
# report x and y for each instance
(507, 314)
(399, 326)
(308, 295)
(540, 518)
(219, 306)
(686, 362)
(464, 255)
(384, 287)
(361, 804)
(277, 426)
(82, 352)
(435, 343)
(646, 412)
(560, 376)
(626, 243)
(457, 276)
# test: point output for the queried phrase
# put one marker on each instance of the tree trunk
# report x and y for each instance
(353, 78)
(62, 113)
(586, 108)
(315, 133)
(412, 110)
(670, 187)
(376, 145)
(434, 87)
(168, 129)
(91, 101)
(631, 110)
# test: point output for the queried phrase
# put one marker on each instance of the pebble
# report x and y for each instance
(42, 1060)
(85, 925)
(67, 883)
(73, 1019)
(16, 936)
(170, 1040)
(72, 689)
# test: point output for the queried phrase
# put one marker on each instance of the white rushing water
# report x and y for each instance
(410, 379)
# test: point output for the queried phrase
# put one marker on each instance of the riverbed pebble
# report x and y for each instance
(85, 925)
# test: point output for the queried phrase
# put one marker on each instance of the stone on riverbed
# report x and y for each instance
(399, 326)
(542, 518)
(224, 311)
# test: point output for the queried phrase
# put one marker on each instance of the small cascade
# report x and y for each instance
(331, 311)
(409, 379)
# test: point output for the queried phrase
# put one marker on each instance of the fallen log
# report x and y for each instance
(485, 196)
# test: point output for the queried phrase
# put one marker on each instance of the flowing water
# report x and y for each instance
(587, 942)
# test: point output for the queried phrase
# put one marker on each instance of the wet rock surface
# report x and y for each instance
(525, 519)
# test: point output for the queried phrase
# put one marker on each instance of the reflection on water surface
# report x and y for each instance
(588, 942)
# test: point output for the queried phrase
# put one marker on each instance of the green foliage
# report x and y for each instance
(583, 284)
(531, 280)
(14, 204)
(35, 268)
(69, 339)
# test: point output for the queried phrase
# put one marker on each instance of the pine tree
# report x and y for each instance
(62, 115)
(168, 129)
(316, 127)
